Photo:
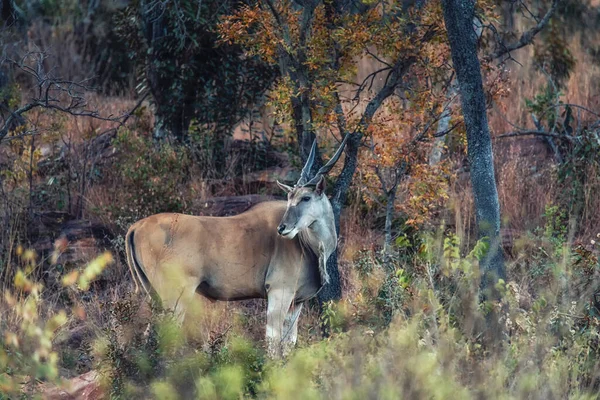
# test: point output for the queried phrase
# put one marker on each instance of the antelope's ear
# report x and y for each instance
(320, 188)
(284, 187)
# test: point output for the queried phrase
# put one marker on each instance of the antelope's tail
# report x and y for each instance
(137, 272)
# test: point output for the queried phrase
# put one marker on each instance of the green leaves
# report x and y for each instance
(27, 348)
(480, 249)
(452, 260)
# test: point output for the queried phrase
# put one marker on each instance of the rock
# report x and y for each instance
(228, 205)
(266, 179)
(63, 241)
(75, 337)
(83, 387)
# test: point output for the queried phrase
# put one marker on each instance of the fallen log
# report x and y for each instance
(228, 205)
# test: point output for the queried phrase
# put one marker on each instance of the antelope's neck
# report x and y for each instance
(321, 235)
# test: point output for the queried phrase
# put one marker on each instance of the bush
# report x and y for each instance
(412, 331)
(27, 353)
(151, 177)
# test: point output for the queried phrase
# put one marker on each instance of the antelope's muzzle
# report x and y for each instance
(281, 228)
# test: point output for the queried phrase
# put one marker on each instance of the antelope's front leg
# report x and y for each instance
(278, 305)
(290, 328)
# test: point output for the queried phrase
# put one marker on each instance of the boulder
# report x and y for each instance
(83, 387)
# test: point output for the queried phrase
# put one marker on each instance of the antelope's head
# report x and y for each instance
(307, 201)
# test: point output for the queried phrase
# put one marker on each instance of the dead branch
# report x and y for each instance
(536, 133)
(23, 135)
(370, 53)
(53, 93)
(392, 80)
(447, 131)
(526, 38)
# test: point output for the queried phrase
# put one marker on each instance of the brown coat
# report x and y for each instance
(222, 258)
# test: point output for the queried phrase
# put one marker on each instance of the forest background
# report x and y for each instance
(115, 110)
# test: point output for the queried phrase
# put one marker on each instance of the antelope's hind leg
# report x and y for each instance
(278, 307)
(178, 299)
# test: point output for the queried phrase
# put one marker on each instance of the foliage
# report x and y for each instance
(158, 177)
(187, 74)
(427, 193)
(24, 162)
(316, 47)
(159, 355)
(128, 357)
(542, 105)
(151, 175)
(408, 332)
(408, 326)
(399, 157)
(577, 145)
(554, 56)
(580, 166)
(326, 52)
(81, 34)
(27, 353)
(426, 348)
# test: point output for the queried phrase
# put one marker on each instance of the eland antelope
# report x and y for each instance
(276, 250)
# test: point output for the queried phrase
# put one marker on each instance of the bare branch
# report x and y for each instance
(524, 7)
(580, 107)
(447, 131)
(421, 135)
(53, 93)
(23, 135)
(370, 77)
(370, 53)
(536, 133)
(395, 76)
(339, 114)
(282, 24)
(527, 36)
(392, 80)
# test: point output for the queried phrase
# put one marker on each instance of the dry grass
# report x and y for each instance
(524, 165)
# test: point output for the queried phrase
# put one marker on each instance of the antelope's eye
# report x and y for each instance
(305, 198)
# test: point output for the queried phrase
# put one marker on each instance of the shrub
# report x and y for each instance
(151, 177)
(27, 353)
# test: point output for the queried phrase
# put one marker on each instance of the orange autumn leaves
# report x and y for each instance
(325, 46)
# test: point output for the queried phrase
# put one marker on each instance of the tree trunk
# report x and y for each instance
(458, 17)
(389, 217)
(301, 112)
(444, 123)
(333, 290)
(304, 132)
(173, 111)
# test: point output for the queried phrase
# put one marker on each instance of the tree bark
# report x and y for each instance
(458, 17)
(302, 115)
(389, 218)
(294, 66)
(444, 123)
(173, 111)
